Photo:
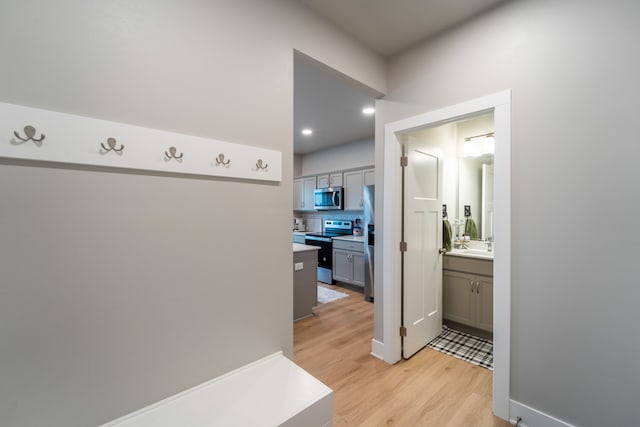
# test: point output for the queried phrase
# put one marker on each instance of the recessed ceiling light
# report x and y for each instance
(307, 131)
(368, 110)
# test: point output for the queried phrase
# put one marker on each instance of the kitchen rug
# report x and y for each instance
(475, 350)
(326, 295)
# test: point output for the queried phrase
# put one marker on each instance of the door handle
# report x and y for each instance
(442, 251)
(471, 282)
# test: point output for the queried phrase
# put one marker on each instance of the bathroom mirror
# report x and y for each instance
(475, 176)
(475, 191)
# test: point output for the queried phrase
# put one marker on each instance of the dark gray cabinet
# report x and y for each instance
(467, 291)
(348, 262)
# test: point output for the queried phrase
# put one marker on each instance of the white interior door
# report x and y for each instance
(422, 232)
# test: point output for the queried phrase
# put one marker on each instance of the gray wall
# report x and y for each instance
(359, 154)
(118, 289)
(573, 70)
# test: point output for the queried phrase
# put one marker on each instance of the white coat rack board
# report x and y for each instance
(35, 134)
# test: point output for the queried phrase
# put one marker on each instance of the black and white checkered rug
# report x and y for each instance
(478, 351)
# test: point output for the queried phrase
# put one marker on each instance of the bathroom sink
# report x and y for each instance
(473, 253)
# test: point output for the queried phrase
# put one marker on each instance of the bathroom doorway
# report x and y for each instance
(448, 225)
(395, 136)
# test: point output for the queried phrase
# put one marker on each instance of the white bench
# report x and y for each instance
(272, 391)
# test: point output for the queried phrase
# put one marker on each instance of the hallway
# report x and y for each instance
(430, 389)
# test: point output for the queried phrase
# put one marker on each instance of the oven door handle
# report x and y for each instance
(318, 239)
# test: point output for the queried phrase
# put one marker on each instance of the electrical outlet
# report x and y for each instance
(298, 266)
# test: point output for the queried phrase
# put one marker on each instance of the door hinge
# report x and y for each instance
(403, 331)
(403, 246)
(404, 161)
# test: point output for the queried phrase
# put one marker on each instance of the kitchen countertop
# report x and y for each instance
(299, 247)
(350, 238)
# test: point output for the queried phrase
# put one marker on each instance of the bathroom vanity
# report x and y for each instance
(467, 289)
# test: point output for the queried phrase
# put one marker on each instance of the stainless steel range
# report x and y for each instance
(332, 228)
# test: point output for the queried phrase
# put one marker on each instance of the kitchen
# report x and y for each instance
(334, 175)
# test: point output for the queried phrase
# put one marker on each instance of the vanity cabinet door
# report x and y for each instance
(484, 303)
(458, 296)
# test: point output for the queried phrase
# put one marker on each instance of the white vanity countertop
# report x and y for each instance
(471, 253)
(350, 238)
(299, 247)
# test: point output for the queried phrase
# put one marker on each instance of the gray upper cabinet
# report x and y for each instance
(353, 182)
(329, 180)
(303, 193)
(369, 176)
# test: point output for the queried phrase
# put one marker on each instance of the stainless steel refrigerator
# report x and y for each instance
(369, 240)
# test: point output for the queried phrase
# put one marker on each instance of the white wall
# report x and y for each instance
(572, 68)
(119, 288)
(353, 155)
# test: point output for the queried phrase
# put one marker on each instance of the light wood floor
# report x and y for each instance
(430, 389)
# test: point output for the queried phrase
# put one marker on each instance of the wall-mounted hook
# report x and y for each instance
(111, 142)
(261, 166)
(172, 154)
(220, 160)
(30, 133)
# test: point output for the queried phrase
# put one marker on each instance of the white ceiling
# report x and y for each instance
(330, 103)
(392, 26)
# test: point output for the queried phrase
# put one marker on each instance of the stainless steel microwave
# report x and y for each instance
(330, 198)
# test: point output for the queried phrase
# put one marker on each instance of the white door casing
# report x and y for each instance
(422, 263)
(390, 346)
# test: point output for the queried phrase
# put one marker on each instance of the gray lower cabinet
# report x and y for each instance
(467, 297)
(348, 262)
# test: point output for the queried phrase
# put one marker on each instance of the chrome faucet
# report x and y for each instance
(464, 244)
(489, 243)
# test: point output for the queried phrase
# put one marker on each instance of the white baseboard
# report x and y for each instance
(532, 417)
(377, 349)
